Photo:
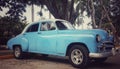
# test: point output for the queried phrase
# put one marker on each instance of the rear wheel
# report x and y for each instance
(78, 56)
(18, 52)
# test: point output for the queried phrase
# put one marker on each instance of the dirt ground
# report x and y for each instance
(36, 63)
(54, 63)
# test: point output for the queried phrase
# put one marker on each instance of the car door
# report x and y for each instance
(31, 35)
(46, 42)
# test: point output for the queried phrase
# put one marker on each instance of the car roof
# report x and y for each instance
(44, 20)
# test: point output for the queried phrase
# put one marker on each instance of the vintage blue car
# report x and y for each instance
(59, 37)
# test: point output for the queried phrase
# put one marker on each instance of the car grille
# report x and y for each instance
(105, 47)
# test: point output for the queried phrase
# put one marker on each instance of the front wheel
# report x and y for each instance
(17, 52)
(78, 56)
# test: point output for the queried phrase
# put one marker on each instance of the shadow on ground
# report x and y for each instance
(47, 58)
(91, 65)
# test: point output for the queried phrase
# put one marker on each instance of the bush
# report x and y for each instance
(10, 27)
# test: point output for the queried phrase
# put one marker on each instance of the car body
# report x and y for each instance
(59, 37)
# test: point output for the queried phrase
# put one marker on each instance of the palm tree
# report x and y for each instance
(32, 12)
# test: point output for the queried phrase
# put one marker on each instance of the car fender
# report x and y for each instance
(18, 40)
(87, 39)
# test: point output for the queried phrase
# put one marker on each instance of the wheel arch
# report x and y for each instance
(75, 43)
(24, 48)
(16, 45)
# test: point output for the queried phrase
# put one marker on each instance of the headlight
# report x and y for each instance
(98, 38)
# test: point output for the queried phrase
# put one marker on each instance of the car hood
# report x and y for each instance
(102, 33)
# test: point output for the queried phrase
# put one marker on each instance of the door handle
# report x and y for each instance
(39, 33)
(24, 34)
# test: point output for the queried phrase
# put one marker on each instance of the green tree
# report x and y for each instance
(64, 9)
(115, 14)
(10, 27)
(61, 9)
(16, 8)
(3, 4)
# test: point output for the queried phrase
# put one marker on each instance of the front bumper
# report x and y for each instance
(103, 54)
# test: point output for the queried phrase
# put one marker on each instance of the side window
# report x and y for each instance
(33, 28)
(60, 25)
(47, 26)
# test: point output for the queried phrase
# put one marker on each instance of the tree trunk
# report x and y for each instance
(92, 12)
(52, 7)
(65, 10)
(71, 9)
(32, 12)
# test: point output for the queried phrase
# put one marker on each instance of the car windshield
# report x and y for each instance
(64, 25)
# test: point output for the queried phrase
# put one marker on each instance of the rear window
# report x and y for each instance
(33, 28)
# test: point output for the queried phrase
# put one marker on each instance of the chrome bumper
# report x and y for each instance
(103, 54)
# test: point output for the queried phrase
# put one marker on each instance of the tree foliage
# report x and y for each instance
(115, 14)
(16, 8)
(10, 27)
(68, 9)
(3, 4)
(61, 9)
(65, 9)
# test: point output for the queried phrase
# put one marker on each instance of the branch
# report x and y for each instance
(93, 14)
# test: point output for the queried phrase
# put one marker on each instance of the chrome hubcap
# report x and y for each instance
(17, 51)
(77, 56)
